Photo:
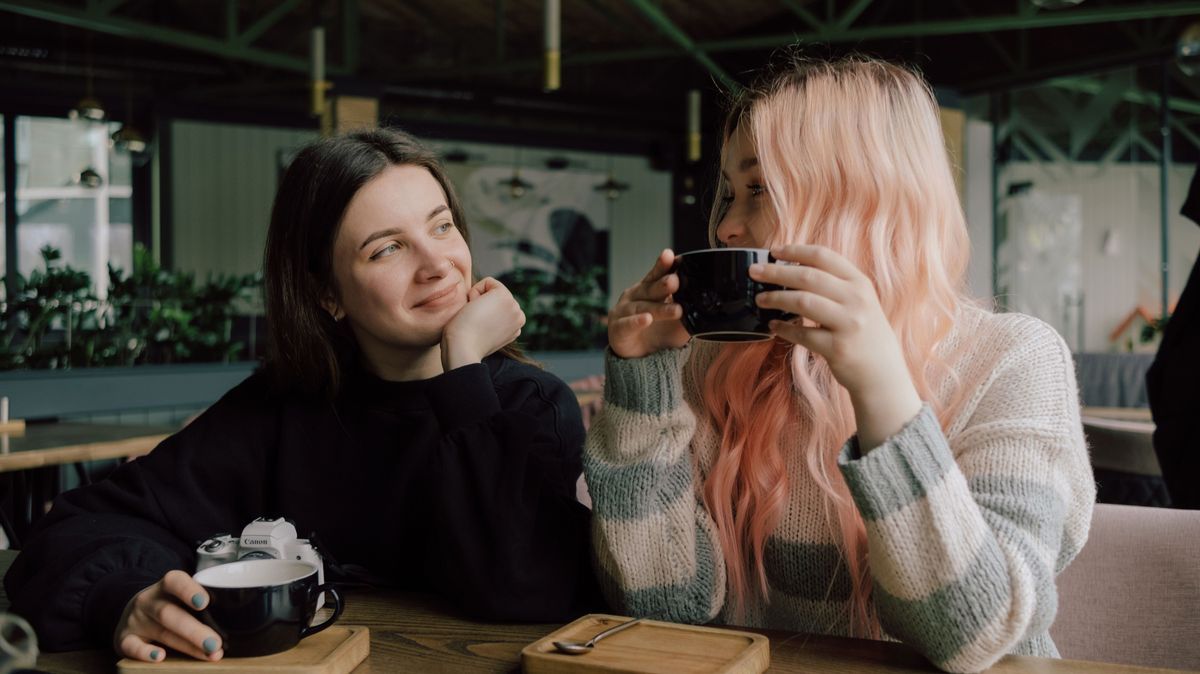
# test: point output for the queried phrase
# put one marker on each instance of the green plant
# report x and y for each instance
(152, 316)
(563, 311)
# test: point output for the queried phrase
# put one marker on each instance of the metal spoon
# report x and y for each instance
(576, 648)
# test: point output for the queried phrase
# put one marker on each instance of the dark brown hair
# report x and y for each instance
(307, 349)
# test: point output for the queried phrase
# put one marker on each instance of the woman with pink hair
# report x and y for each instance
(722, 479)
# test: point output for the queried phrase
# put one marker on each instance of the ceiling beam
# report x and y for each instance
(851, 14)
(668, 27)
(141, 30)
(805, 15)
(266, 22)
(1132, 94)
(963, 26)
(1092, 64)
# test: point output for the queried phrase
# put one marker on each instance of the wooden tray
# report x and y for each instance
(650, 646)
(336, 650)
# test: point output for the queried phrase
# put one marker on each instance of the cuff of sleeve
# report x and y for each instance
(650, 385)
(901, 470)
(463, 396)
(108, 597)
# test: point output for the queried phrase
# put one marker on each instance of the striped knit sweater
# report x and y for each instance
(967, 526)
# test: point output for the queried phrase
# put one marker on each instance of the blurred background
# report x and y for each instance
(143, 141)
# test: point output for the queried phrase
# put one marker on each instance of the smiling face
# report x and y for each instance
(747, 221)
(401, 267)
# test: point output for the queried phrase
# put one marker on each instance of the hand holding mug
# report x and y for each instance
(851, 332)
(490, 320)
(156, 617)
(646, 318)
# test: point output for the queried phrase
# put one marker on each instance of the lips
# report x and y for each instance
(437, 297)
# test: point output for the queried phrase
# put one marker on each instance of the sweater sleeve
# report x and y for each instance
(508, 537)
(655, 544)
(965, 539)
(101, 544)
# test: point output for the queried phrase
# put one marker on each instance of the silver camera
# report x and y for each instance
(263, 538)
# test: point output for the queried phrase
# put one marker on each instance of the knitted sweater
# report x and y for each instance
(967, 526)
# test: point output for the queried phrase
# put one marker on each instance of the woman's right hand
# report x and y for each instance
(156, 617)
(645, 319)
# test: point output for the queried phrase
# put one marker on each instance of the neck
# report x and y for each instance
(411, 365)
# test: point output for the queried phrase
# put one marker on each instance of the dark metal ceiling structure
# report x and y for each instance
(626, 64)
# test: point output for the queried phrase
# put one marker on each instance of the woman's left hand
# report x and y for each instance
(852, 332)
(489, 321)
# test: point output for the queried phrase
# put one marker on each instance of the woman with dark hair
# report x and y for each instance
(394, 418)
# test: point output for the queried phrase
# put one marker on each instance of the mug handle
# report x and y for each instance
(310, 630)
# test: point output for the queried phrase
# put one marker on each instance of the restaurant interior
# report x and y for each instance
(144, 140)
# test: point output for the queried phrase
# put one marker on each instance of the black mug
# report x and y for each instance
(263, 606)
(717, 294)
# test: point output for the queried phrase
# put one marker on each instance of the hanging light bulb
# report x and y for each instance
(129, 139)
(88, 109)
(611, 188)
(552, 47)
(516, 187)
(89, 177)
(1187, 50)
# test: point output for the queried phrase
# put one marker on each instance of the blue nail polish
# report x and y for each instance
(198, 600)
(210, 645)
(154, 654)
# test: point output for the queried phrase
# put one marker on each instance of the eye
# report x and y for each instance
(443, 228)
(386, 250)
(756, 189)
(727, 198)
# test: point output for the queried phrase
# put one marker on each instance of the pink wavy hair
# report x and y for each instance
(853, 158)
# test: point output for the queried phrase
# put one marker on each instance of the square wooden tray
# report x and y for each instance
(336, 650)
(650, 646)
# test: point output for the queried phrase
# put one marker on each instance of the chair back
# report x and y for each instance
(1132, 596)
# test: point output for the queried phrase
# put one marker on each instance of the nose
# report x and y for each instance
(731, 229)
(433, 264)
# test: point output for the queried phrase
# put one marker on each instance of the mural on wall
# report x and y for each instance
(544, 234)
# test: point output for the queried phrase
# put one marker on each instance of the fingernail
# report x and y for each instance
(210, 645)
(154, 654)
(198, 600)
(756, 268)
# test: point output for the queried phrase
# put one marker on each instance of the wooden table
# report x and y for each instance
(30, 459)
(419, 634)
(55, 444)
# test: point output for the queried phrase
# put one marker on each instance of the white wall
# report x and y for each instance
(223, 180)
(1122, 199)
(224, 177)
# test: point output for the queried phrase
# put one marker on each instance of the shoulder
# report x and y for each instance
(509, 374)
(533, 390)
(1002, 338)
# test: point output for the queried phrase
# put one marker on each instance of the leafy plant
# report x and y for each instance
(154, 315)
(563, 311)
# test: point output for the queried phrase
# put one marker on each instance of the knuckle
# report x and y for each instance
(161, 611)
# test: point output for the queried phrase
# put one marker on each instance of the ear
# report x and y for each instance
(331, 306)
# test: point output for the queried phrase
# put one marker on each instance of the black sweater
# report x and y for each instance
(462, 485)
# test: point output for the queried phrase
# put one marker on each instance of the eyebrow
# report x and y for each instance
(743, 165)
(396, 230)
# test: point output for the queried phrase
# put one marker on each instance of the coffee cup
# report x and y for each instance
(717, 294)
(263, 606)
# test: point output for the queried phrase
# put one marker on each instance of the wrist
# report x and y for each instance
(883, 411)
(456, 353)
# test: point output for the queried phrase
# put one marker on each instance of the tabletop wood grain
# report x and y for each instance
(413, 633)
